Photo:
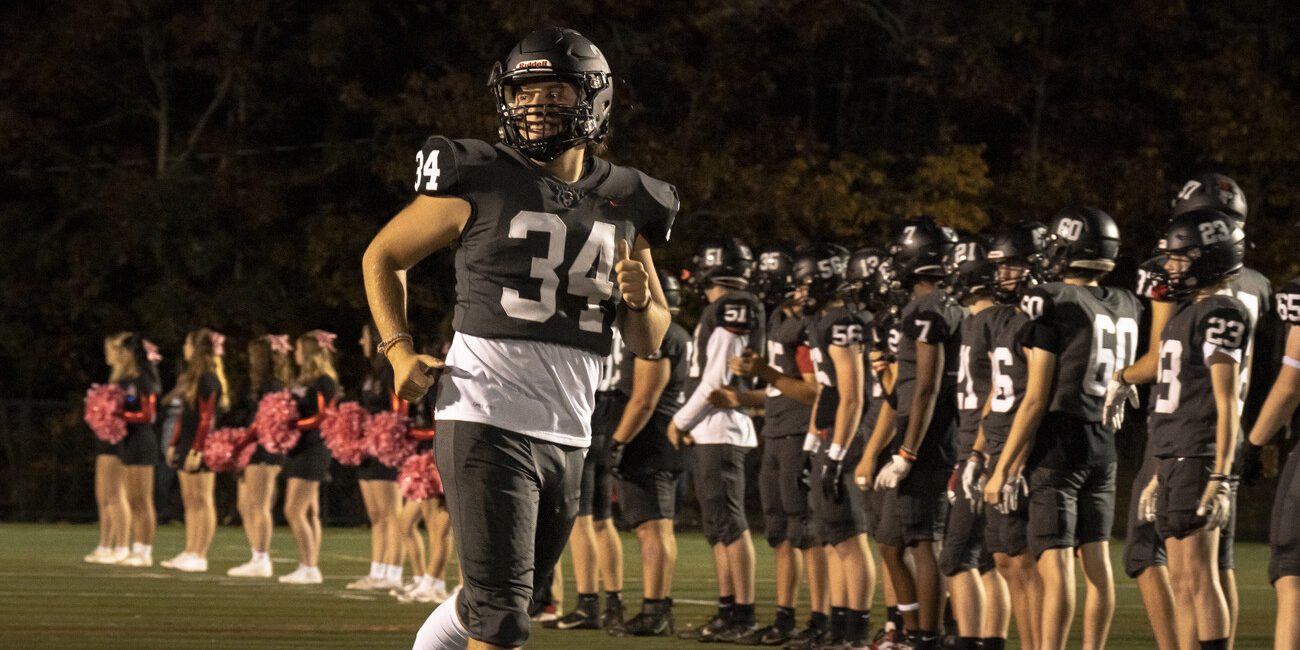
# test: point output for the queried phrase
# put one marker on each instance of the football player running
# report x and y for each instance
(1081, 332)
(546, 232)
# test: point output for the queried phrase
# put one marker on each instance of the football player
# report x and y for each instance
(788, 373)
(546, 232)
(925, 393)
(731, 323)
(1080, 334)
(647, 467)
(978, 594)
(1144, 554)
(1284, 526)
(1194, 439)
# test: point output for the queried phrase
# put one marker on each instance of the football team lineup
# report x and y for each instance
(933, 417)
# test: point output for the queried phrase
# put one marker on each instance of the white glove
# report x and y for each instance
(893, 473)
(972, 481)
(1011, 491)
(1216, 504)
(1147, 502)
(1112, 412)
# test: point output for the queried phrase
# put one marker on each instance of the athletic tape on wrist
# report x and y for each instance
(811, 443)
(836, 452)
(1291, 361)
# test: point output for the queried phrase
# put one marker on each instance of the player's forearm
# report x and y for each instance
(635, 416)
(1223, 377)
(643, 331)
(848, 414)
(1023, 428)
(1282, 401)
(1143, 371)
(385, 282)
(882, 433)
(752, 398)
(795, 388)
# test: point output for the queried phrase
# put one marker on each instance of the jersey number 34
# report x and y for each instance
(597, 252)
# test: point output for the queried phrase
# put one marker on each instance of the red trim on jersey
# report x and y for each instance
(312, 422)
(399, 405)
(420, 433)
(803, 359)
(207, 412)
(148, 409)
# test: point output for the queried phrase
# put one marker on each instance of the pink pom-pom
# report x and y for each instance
(276, 422)
(228, 450)
(419, 479)
(103, 412)
(343, 430)
(388, 438)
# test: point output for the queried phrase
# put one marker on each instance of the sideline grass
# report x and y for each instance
(49, 598)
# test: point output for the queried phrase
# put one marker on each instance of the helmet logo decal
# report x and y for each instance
(1189, 190)
(534, 63)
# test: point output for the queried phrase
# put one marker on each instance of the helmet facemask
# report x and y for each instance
(577, 124)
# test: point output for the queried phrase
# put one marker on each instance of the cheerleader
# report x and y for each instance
(308, 462)
(110, 491)
(203, 391)
(136, 371)
(378, 481)
(270, 368)
(421, 486)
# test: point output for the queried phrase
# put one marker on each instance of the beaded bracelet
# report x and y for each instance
(385, 346)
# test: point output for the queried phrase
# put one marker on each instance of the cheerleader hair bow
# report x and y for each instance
(151, 352)
(218, 341)
(279, 343)
(324, 339)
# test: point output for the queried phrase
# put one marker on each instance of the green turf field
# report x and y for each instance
(50, 599)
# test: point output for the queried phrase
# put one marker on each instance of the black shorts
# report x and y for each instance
(719, 477)
(837, 521)
(1070, 507)
(922, 505)
(1284, 524)
(263, 457)
(139, 448)
(889, 530)
(512, 500)
(646, 496)
(594, 501)
(309, 460)
(1182, 482)
(963, 540)
(1143, 547)
(1006, 534)
(785, 503)
(371, 469)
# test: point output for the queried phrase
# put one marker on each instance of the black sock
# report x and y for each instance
(1216, 644)
(896, 617)
(613, 598)
(784, 618)
(995, 643)
(949, 619)
(588, 603)
(818, 621)
(969, 643)
(726, 604)
(743, 614)
(859, 626)
(839, 621)
(656, 605)
(923, 640)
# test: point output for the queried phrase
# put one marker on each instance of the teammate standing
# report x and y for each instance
(543, 229)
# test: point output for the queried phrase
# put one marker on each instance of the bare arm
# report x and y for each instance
(1143, 371)
(1283, 398)
(801, 389)
(929, 374)
(1223, 377)
(643, 331)
(649, 377)
(850, 378)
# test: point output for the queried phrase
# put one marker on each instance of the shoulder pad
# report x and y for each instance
(844, 329)
(1287, 301)
(443, 166)
(1223, 322)
(1038, 302)
(655, 202)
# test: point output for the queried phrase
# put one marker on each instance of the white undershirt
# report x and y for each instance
(707, 424)
(543, 390)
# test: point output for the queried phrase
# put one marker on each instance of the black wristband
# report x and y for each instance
(629, 306)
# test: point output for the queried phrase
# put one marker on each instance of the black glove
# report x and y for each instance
(832, 486)
(1252, 470)
(616, 450)
(805, 474)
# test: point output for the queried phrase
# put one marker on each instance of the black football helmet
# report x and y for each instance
(773, 279)
(1080, 237)
(1020, 245)
(886, 292)
(969, 270)
(553, 53)
(672, 289)
(861, 270)
(919, 249)
(820, 268)
(1211, 192)
(723, 262)
(1212, 242)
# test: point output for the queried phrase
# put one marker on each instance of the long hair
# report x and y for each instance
(317, 360)
(265, 364)
(204, 359)
(132, 367)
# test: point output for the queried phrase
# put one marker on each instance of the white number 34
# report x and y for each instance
(426, 171)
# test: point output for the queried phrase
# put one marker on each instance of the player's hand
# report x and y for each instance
(1216, 504)
(193, 461)
(864, 473)
(1012, 490)
(746, 365)
(725, 398)
(972, 481)
(993, 488)
(170, 456)
(414, 374)
(893, 473)
(633, 281)
(832, 480)
(805, 473)
(1117, 393)
(953, 479)
(616, 450)
(1147, 500)
(677, 438)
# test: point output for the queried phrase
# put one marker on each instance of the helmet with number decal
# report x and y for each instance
(1020, 245)
(919, 249)
(1211, 192)
(820, 268)
(861, 268)
(672, 289)
(883, 291)
(1208, 245)
(724, 262)
(969, 270)
(1080, 238)
(548, 54)
(773, 278)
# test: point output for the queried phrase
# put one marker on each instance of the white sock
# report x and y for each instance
(442, 630)
(393, 573)
(122, 549)
(142, 549)
(261, 556)
(437, 583)
(103, 549)
(377, 570)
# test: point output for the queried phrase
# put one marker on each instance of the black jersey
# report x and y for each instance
(141, 397)
(207, 402)
(1093, 331)
(934, 319)
(536, 257)
(834, 327)
(1255, 294)
(676, 348)
(787, 342)
(616, 368)
(1008, 376)
(738, 312)
(1184, 414)
(253, 397)
(974, 372)
(1287, 303)
(878, 332)
(377, 390)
